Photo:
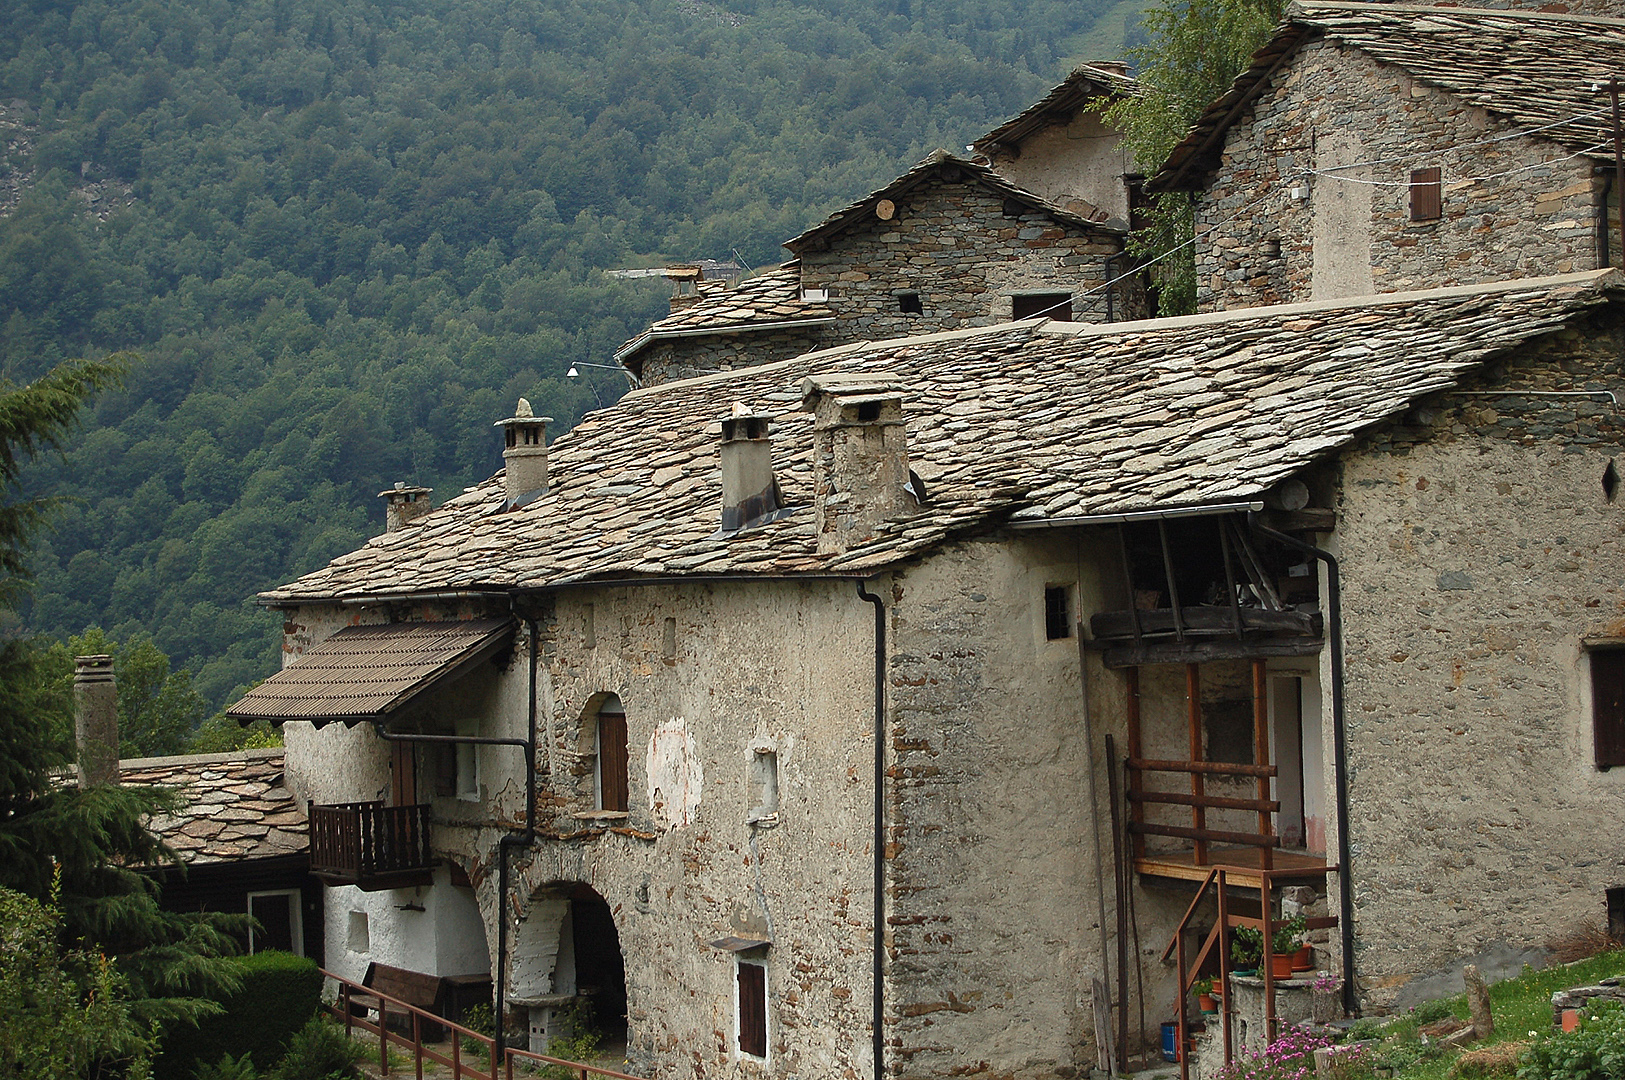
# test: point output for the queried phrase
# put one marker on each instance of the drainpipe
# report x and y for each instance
(1334, 614)
(880, 830)
(522, 838)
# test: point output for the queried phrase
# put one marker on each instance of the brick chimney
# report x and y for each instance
(403, 504)
(95, 720)
(860, 455)
(749, 491)
(525, 454)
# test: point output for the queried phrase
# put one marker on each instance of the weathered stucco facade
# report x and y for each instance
(1294, 212)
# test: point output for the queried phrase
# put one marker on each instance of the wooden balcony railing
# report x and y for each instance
(371, 845)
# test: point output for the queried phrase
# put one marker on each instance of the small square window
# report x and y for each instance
(1608, 706)
(1057, 612)
(356, 937)
(909, 303)
(1057, 306)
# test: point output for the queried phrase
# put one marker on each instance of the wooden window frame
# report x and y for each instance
(750, 1008)
(1607, 676)
(1058, 612)
(1427, 194)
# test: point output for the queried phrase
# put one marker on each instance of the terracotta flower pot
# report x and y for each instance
(1304, 959)
(1281, 965)
(1206, 1003)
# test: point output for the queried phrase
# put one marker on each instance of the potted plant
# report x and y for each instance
(1246, 950)
(1326, 1001)
(1203, 989)
(1284, 942)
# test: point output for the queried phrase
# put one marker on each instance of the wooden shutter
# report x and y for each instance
(753, 1010)
(1427, 195)
(1608, 706)
(612, 761)
(403, 774)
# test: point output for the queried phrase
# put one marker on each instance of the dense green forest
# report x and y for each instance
(344, 238)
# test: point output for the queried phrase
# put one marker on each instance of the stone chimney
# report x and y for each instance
(402, 504)
(95, 720)
(525, 454)
(685, 285)
(749, 491)
(860, 455)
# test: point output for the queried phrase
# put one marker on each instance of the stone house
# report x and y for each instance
(951, 243)
(1385, 147)
(779, 712)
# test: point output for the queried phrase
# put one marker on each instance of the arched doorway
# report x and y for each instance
(567, 965)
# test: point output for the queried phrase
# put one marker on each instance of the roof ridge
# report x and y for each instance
(1302, 8)
(1598, 279)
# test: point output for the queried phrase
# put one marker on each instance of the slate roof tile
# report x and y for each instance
(769, 299)
(233, 805)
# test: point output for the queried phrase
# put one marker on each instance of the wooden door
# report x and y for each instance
(612, 762)
(403, 774)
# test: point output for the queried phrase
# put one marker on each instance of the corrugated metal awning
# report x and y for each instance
(367, 673)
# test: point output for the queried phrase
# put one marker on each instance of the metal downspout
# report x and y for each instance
(1334, 620)
(879, 841)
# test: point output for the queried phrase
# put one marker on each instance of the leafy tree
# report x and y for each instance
(158, 710)
(1194, 50)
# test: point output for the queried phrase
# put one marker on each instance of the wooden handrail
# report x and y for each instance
(1214, 768)
(349, 990)
(1222, 802)
(1218, 835)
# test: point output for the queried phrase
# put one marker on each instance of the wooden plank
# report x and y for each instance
(1309, 519)
(1200, 621)
(1135, 780)
(1202, 835)
(1211, 768)
(1261, 749)
(1222, 802)
(1193, 706)
(1203, 652)
(1168, 573)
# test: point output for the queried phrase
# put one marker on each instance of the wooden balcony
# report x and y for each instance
(370, 845)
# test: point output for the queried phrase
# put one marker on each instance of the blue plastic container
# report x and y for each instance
(1170, 1041)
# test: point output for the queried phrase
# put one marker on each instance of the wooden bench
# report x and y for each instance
(412, 987)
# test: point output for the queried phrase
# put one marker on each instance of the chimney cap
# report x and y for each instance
(401, 490)
(852, 387)
(523, 415)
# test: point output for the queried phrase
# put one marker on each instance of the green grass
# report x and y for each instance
(1519, 1006)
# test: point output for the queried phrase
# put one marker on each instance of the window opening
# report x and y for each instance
(1057, 612)
(668, 643)
(1057, 306)
(1608, 706)
(277, 912)
(751, 1009)
(1427, 195)
(589, 638)
(909, 303)
(764, 788)
(356, 938)
(612, 759)
(1616, 913)
(1610, 481)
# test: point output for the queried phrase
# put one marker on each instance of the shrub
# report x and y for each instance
(1430, 1012)
(280, 992)
(319, 1051)
(1596, 1051)
(240, 1067)
(478, 1018)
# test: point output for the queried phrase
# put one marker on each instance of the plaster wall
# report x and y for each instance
(446, 937)
(1081, 159)
(953, 244)
(1479, 553)
(1332, 107)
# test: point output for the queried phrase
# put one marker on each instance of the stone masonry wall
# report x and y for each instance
(687, 357)
(1334, 106)
(953, 244)
(1480, 551)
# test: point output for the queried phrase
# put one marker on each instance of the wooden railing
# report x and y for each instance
(486, 1064)
(358, 841)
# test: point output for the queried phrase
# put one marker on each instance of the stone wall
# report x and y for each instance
(1081, 159)
(686, 357)
(1351, 233)
(953, 244)
(1480, 552)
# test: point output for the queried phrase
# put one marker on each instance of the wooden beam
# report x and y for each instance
(1135, 780)
(1309, 519)
(1202, 621)
(1201, 836)
(1193, 713)
(1261, 749)
(1202, 652)
(1212, 768)
(1221, 802)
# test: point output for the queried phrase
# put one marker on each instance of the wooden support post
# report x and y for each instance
(1180, 1005)
(417, 1044)
(1267, 968)
(383, 1036)
(456, 1059)
(1226, 1008)
(1261, 755)
(1136, 779)
(1193, 705)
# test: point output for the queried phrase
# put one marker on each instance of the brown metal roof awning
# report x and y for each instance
(368, 673)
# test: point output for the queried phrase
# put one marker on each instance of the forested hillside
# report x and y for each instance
(344, 238)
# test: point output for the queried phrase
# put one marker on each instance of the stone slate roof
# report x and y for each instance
(236, 805)
(1085, 84)
(369, 672)
(1027, 421)
(939, 163)
(1529, 68)
(766, 301)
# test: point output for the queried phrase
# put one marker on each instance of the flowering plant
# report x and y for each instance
(1290, 1057)
(1326, 984)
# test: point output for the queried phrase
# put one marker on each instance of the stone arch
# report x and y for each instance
(566, 950)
